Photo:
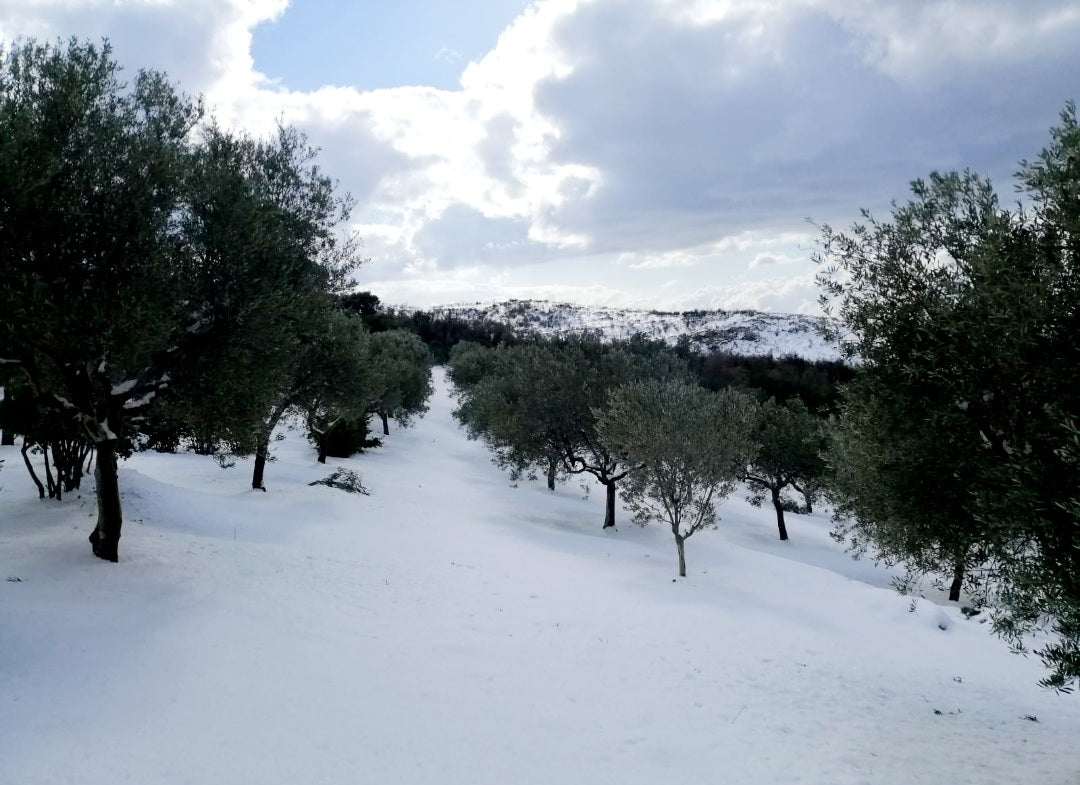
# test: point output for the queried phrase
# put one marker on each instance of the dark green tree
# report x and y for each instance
(535, 404)
(143, 258)
(335, 383)
(91, 180)
(964, 316)
(402, 367)
(791, 441)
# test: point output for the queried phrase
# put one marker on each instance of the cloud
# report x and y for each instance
(464, 236)
(766, 259)
(762, 114)
(635, 138)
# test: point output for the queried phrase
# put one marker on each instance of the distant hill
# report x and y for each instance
(748, 333)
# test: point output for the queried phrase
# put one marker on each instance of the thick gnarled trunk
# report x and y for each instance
(105, 539)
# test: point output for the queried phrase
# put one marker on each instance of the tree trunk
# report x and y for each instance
(105, 538)
(322, 447)
(385, 424)
(7, 438)
(260, 466)
(54, 486)
(680, 543)
(808, 496)
(779, 514)
(609, 507)
(30, 468)
(262, 449)
(553, 465)
(957, 581)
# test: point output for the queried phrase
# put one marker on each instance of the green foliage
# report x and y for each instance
(402, 369)
(368, 307)
(91, 179)
(443, 333)
(514, 400)
(688, 446)
(790, 441)
(344, 480)
(332, 381)
(534, 404)
(345, 438)
(955, 441)
(261, 224)
(815, 383)
(142, 256)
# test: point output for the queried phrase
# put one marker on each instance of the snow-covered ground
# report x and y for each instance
(451, 628)
(748, 333)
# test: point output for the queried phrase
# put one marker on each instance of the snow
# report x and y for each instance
(451, 628)
(750, 333)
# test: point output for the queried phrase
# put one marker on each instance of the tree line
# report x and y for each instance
(166, 281)
(953, 442)
(632, 414)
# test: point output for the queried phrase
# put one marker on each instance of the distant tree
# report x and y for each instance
(815, 382)
(510, 399)
(534, 404)
(335, 384)
(469, 363)
(443, 333)
(689, 445)
(329, 381)
(368, 307)
(402, 366)
(60, 441)
(790, 445)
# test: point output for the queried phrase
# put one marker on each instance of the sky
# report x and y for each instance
(668, 154)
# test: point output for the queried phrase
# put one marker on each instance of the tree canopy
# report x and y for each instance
(146, 251)
(958, 442)
(688, 445)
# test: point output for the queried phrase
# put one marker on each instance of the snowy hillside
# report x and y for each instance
(452, 628)
(737, 332)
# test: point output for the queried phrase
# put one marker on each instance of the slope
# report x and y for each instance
(451, 628)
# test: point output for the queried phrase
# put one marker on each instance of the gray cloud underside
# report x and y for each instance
(660, 128)
(700, 131)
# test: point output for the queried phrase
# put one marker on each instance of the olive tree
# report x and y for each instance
(402, 364)
(688, 446)
(791, 441)
(965, 317)
(91, 180)
(147, 253)
(535, 404)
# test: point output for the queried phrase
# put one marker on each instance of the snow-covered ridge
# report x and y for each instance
(751, 333)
